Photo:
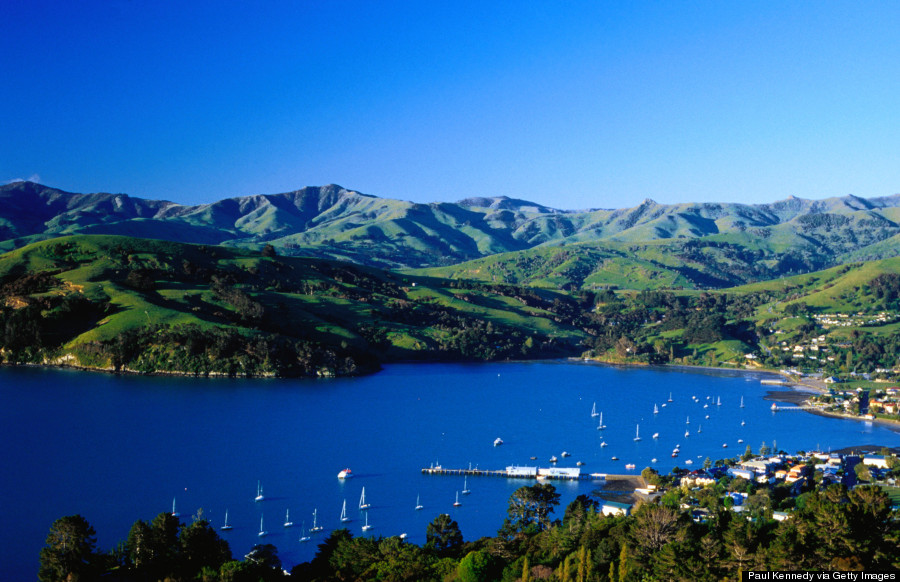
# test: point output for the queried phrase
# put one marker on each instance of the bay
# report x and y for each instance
(120, 448)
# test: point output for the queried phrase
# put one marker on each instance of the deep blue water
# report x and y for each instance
(118, 449)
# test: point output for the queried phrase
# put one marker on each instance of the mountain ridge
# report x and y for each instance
(334, 222)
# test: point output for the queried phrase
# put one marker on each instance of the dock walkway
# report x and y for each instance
(543, 474)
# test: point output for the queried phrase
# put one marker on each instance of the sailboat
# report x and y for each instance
(600, 425)
(670, 397)
(419, 506)
(637, 434)
(304, 535)
(227, 525)
(367, 527)
(259, 493)
(262, 531)
(174, 511)
(287, 519)
(687, 433)
(688, 421)
(344, 517)
(594, 410)
(699, 428)
(465, 489)
(718, 401)
(655, 409)
(315, 527)
(362, 500)
(603, 444)
(742, 401)
(457, 503)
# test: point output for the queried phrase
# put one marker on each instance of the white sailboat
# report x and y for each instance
(603, 444)
(315, 527)
(174, 511)
(367, 527)
(457, 503)
(344, 517)
(670, 397)
(262, 530)
(718, 401)
(287, 519)
(600, 425)
(637, 434)
(656, 435)
(699, 428)
(688, 421)
(594, 410)
(304, 535)
(742, 401)
(687, 433)
(362, 500)
(419, 506)
(465, 489)
(259, 492)
(226, 525)
(655, 409)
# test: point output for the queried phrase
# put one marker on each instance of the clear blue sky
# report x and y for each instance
(570, 104)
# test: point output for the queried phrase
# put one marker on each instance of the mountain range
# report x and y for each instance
(498, 239)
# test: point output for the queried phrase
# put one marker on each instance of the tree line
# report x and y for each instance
(830, 528)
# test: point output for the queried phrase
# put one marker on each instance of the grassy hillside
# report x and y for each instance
(179, 298)
(695, 245)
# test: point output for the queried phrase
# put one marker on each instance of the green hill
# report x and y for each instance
(155, 306)
(694, 245)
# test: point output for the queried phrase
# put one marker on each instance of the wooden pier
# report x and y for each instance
(438, 470)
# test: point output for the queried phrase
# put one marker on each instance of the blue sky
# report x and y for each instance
(569, 104)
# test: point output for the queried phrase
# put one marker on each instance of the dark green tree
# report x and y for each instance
(201, 546)
(69, 554)
(443, 536)
(529, 510)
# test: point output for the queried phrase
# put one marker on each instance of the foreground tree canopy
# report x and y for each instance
(831, 529)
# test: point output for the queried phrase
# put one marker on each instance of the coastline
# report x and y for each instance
(796, 391)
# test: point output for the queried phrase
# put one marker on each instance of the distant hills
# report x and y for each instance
(151, 306)
(495, 239)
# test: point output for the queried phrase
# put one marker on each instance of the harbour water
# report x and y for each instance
(117, 449)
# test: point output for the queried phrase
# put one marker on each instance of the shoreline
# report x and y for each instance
(797, 391)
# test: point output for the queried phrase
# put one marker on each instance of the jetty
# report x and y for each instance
(516, 472)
